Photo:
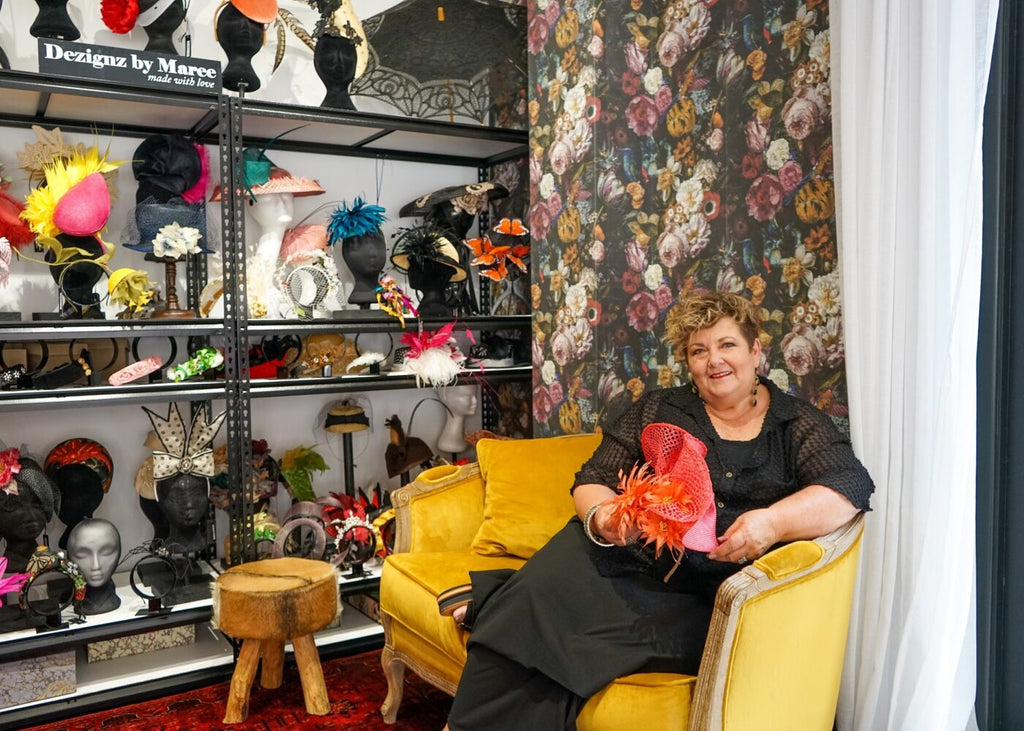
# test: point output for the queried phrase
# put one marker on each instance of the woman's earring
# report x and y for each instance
(753, 391)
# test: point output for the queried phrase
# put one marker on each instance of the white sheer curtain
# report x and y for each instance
(909, 80)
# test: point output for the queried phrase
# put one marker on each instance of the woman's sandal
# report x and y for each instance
(450, 600)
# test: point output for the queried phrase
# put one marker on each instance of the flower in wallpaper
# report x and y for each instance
(678, 146)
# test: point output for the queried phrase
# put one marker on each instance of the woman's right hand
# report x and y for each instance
(605, 526)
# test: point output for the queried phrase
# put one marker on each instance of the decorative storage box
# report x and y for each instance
(158, 639)
(37, 678)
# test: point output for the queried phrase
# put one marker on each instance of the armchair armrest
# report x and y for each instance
(774, 653)
(441, 510)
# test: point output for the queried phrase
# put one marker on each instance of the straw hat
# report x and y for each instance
(281, 181)
(442, 251)
(345, 418)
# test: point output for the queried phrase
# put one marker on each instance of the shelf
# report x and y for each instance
(362, 134)
(358, 322)
(130, 393)
(84, 329)
(264, 388)
(121, 621)
(69, 103)
(115, 682)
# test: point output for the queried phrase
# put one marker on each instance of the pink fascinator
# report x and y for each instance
(14, 582)
(669, 498)
(434, 357)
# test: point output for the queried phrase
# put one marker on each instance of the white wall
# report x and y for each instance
(283, 422)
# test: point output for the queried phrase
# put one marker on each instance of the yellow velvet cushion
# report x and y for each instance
(641, 701)
(526, 490)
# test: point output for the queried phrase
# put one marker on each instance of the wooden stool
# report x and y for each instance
(265, 603)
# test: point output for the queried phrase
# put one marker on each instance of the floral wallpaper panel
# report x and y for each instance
(674, 147)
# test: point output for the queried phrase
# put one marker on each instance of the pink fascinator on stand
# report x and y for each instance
(434, 357)
(669, 498)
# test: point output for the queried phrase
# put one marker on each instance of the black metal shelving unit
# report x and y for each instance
(230, 123)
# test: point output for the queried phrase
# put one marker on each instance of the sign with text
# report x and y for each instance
(128, 66)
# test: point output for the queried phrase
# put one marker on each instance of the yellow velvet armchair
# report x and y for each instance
(774, 653)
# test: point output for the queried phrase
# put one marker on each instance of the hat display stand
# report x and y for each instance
(241, 38)
(334, 59)
(171, 309)
(53, 21)
(160, 30)
(75, 279)
(347, 418)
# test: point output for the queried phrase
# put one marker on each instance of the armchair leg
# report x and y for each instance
(394, 671)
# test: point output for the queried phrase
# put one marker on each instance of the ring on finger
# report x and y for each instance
(742, 560)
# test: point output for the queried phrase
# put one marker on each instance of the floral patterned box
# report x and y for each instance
(158, 639)
(36, 678)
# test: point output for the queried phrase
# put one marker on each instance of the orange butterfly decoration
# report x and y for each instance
(491, 259)
(511, 227)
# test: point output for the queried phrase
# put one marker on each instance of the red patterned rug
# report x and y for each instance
(355, 685)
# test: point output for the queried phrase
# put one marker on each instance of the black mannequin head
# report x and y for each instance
(430, 278)
(80, 494)
(53, 21)
(23, 517)
(365, 256)
(76, 280)
(161, 31)
(334, 59)
(151, 509)
(184, 500)
(241, 39)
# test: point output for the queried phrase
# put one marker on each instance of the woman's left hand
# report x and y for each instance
(748, 538)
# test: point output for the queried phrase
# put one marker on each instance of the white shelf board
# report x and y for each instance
(209, 650)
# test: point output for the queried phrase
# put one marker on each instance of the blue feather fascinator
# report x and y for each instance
(362, 218)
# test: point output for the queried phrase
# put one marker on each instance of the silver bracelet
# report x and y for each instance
(590, 533)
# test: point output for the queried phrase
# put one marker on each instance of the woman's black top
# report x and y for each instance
(798, 446)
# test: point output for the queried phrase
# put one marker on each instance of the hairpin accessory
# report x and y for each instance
(46, 560)
(203, 360)
(135, 371)
(393, 300)
(11, 376)
(10, 466)
(187, 452)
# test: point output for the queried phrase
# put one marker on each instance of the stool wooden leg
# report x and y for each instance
(273, 663)
(241, 680)
(314, 690)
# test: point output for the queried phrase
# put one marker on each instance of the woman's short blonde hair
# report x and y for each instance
(701, 311)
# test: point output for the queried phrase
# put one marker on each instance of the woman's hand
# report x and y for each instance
(606, 527)
(748, 538)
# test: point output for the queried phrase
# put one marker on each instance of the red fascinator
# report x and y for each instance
(85, 452)
(669, 498)
(119, 15)
(12, 227)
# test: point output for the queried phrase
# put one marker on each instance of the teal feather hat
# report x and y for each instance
(361, 219)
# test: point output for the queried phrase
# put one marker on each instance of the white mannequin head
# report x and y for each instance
(461, 400)
(273, 212)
